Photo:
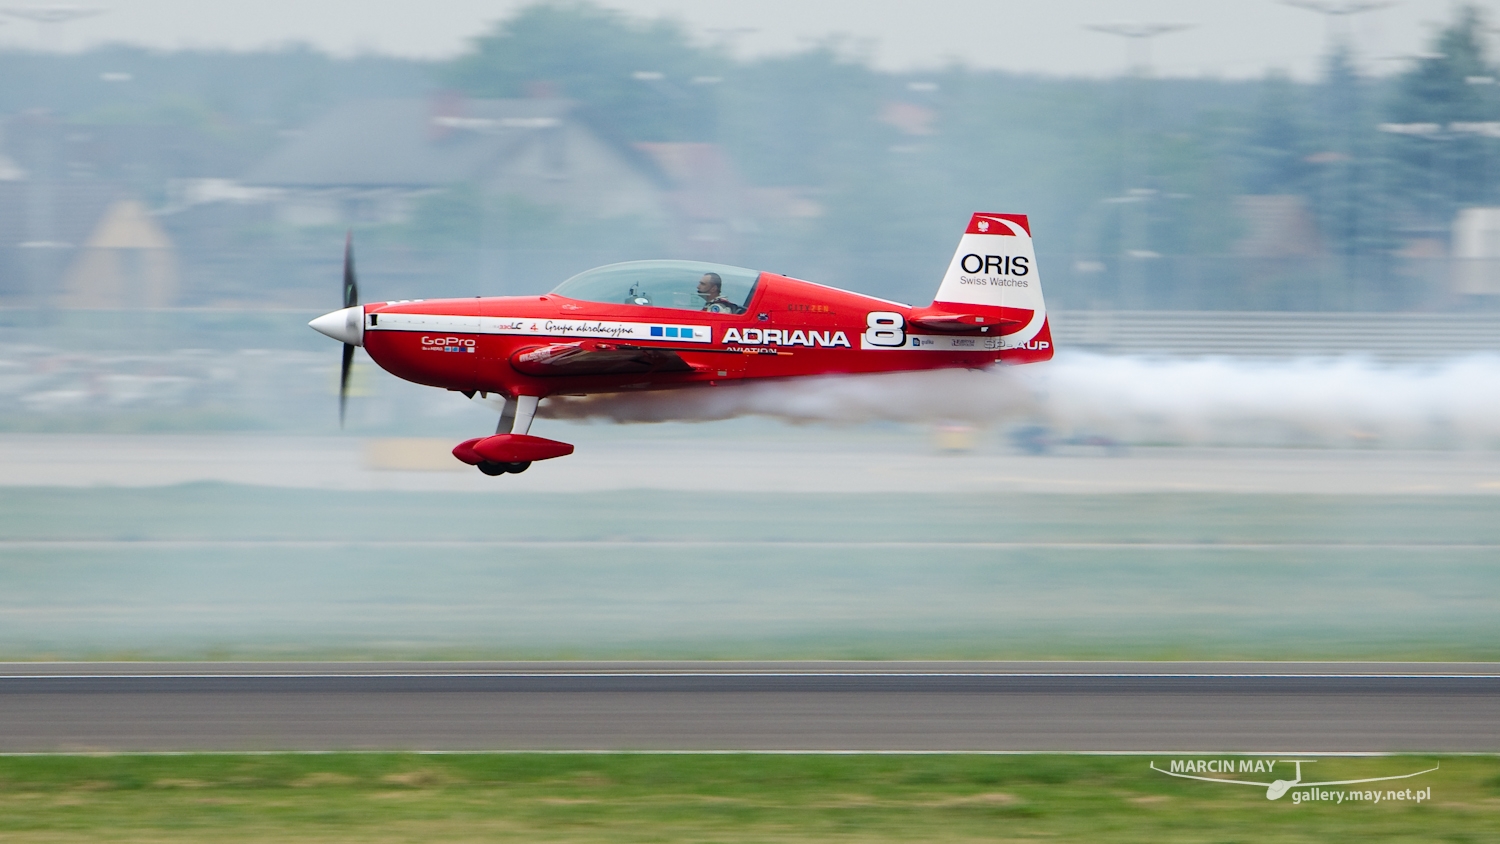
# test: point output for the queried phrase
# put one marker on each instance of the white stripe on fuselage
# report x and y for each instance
(651, 332)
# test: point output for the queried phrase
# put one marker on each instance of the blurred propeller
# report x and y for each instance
(351, 298)
(351, 288)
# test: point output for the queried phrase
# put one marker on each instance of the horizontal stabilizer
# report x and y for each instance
(976, 321)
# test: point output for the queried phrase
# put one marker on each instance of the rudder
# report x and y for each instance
(994, 272)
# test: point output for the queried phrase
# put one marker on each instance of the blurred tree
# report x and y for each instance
(1279, 139)
(1438, 171)
(1192, 211)
(811, 118)
(1348, 203)
(638, 80)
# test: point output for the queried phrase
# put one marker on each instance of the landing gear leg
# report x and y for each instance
(525, 411)
(515, 414)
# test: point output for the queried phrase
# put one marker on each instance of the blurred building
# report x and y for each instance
(75, 229)
(1476, 251)
(1276, 227)
(370, 161)
(710, 204)
(127, 262)
(43, 223)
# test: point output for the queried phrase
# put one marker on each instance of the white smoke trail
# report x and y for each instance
(1322, 401)
(957, 395)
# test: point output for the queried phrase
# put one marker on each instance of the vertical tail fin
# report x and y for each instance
(994, 274)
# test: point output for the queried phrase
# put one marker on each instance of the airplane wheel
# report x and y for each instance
(492, 469)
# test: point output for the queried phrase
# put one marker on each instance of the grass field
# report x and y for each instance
(215, 571)
(733, 797)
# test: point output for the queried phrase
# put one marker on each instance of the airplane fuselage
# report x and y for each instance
(788, 328)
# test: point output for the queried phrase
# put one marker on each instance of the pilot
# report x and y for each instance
(711, 288)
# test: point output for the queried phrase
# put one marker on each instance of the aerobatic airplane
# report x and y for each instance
(651, 325)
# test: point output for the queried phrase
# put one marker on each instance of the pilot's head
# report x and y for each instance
(710, 286)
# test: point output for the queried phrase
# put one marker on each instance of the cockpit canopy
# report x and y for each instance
(664, 284)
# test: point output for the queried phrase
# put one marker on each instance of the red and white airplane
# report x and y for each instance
(652, 325)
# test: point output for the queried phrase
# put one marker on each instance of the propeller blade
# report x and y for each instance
(351, 287)
(351, 298)
(344, 381)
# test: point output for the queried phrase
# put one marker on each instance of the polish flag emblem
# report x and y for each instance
(1007, 225)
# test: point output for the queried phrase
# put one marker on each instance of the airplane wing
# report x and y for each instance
(588, 357)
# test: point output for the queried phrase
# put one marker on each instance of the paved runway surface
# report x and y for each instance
(1268, 707)
(808, 460)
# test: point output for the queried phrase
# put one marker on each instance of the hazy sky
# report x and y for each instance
(1230, 37)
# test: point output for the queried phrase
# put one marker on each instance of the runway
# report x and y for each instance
(826, 706)
(669, 458)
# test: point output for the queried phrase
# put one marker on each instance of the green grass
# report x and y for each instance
(731, 797)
